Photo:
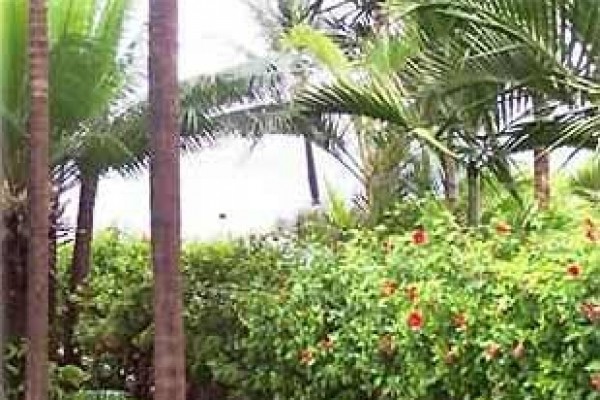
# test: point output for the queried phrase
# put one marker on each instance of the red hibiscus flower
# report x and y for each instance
(460, 321)
(412, 292)
(503, 228)
(419, 237)
(415, 320)
(574, 270)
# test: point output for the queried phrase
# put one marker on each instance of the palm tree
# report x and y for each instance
(557, 42)
(120, 144)
(473, 67)
(81, 55)
(169, 340)
(36, 380)
(88, 137)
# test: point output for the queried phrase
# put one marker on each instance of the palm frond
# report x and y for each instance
(586, 181)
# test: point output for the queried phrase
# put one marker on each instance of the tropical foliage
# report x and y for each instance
(418, 307)
(492, 292)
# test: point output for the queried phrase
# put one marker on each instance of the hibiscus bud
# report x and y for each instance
(387, 345)
(519, 351)
(327, 343)
(492, 351)
(595, 382)
(574, 270)
(503, 228)
(388, 287)
(306, 357)
(451, 356)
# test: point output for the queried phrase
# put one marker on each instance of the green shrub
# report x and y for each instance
(115, 326)
(495, 313)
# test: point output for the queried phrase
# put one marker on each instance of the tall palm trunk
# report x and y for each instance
(474, 194)
(541, 177)
(81, 260)
(311, 172)
(169, 341)
(36, 382)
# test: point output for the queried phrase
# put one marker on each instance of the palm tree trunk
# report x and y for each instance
(169, 341)
(541, 177)
(82, 258)
(54, 223)
(36, 382)
(311, 171)
(14, 269)
(474, 195)
(450, 180)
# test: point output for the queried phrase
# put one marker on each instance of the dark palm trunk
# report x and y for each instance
(474, 195)
(14, 270)
(81, 260)
(541, 177)
(311, 171)
(38, 192)
(169, 341)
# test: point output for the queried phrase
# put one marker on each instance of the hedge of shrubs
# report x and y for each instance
(438, 312)
(423, 311)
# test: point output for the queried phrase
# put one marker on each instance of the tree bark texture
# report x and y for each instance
(541, 177)
(81, 261)
(169, 341)
(38, 191)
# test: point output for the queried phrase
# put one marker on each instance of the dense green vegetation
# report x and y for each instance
(334, 308)
(452, 275)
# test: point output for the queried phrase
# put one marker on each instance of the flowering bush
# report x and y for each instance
(437, 312)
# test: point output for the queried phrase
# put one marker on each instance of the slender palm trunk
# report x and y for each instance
(169, 341)
(474, 195)
(82, 259)
(36, 382)
(311, 172)
(450, 171)
(541, 177)
(541, 165)
(54, 223)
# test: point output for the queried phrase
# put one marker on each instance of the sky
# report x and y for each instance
(253, 188)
